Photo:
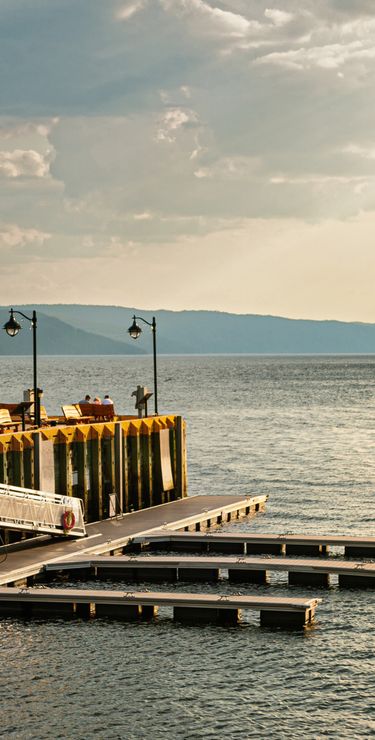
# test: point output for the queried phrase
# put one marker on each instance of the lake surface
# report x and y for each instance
(300, 429)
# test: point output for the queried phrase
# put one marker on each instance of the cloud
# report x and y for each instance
(331, 56)
(229, 168)
(20, 163)
(144, 216)
(218, 21)
(15, 129)
(12, 236)
(360, 151)
(173, 120)
(128, 11)
(327, 42)
(278, 17)
(186, 117)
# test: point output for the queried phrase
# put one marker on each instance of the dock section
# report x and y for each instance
(25, 560)
(191, 608)
(240, 570)
(248, 543)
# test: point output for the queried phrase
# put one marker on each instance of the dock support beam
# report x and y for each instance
(307, 550)
(356, 581)
(242, 575)
(308, 579)
(51, 609)
(118, 611)
(254, 548)
(286, 619)
(226, 547)
(201, 615)
(359, 552)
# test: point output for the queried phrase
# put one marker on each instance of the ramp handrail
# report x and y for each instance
(40, 511)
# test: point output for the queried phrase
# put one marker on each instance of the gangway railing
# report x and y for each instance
(39, 511)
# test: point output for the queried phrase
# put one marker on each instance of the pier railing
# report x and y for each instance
(114, 467)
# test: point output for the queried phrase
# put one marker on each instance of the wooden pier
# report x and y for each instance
(247, 543)
(115, 466)
(191, 608)
(240, 570)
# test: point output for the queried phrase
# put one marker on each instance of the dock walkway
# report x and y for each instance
(26, 559)
(246, 543)
(42, 602)
(240, 570)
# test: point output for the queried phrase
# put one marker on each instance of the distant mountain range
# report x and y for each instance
(79, 329)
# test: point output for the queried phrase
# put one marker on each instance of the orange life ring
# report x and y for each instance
(68, 520)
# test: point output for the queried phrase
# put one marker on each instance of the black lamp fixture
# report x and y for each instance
(135, 331)
(12, 327)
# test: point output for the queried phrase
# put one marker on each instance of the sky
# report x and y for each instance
(189, 154)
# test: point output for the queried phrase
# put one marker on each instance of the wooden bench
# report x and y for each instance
(100, 411)
(6, 421)
(73, 414)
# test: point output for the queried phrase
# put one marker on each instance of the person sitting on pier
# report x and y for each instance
(107, 400)
(87, 399)
(96, 400)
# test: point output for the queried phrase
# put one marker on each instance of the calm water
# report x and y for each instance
(299, 429)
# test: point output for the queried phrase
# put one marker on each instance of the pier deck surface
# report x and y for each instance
(251, 542)
(223, 609)
(257, 537)
(336, 567)
(27, 558)
(157, 598)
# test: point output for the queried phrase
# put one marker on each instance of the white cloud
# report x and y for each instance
(318, 179)
(186, 91)
(173, 120)
(88, 241)
(360, 151)
(229, 168)
(330, 56)
(222, 22)
(11, 129)
(12, 235)
(278, 17)
(144, 216)
(127, 12)
(24, 163)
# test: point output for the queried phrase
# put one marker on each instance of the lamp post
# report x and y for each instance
(12, 327)
(135, 331)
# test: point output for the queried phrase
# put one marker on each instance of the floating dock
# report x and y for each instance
(240, 570)
(25, 560)
(191, 608)
(247, 543)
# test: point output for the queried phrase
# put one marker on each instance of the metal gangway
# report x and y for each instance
(39, 511)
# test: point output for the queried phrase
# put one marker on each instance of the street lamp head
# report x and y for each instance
(134, 330)
(12, 326)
